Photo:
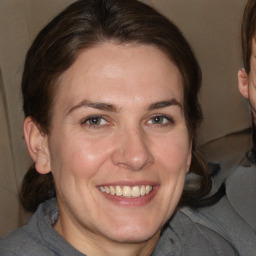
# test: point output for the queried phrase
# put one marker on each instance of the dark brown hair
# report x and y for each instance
(84, 24)
(248, 30)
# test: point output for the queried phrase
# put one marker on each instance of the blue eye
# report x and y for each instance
(161, 120)
(95, 121)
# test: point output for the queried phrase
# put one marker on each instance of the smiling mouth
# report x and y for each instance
(127, 191)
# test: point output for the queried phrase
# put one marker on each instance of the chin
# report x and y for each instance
(134, 234)
(132, 239)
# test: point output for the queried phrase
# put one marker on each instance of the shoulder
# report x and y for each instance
(29, 239)
(241, 193)
(218, 244)
(193, 239)
(224, 220)
(195, 234)
(38, 237)
(21, 243)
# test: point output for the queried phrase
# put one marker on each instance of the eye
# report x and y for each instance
(160, 120)
(94, 121)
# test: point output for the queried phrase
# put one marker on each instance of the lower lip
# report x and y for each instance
(132, 201)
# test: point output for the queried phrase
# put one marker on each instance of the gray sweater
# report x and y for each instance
(180, 237)
(234, 216)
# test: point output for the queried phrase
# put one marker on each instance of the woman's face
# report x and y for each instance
(119, 145)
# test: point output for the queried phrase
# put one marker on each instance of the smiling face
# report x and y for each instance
(119, 148)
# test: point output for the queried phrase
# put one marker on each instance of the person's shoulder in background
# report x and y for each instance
(183, 236)
(233, 216)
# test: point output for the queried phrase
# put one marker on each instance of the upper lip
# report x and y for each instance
(130, 183)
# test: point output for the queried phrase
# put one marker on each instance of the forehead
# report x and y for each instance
(121, 73)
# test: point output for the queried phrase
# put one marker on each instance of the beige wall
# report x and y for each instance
(212, 27)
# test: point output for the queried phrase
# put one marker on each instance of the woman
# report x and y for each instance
(110, 99)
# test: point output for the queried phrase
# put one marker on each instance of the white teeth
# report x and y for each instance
(148, 189)
(136, 191)
(107, 189)
(127, 191)
(102, 189)
(112, 190)
(119, 191)
(143, 190)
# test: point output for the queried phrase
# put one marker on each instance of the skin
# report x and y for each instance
(247, 82)
(140, 137)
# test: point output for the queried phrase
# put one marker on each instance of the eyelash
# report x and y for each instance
(86, 121)
(90, 118)
(170, 120)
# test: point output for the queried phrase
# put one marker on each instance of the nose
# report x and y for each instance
(132, 150)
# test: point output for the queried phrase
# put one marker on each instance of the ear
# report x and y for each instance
(37, 144)
(243, 83)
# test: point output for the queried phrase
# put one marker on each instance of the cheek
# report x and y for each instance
(252, 100)
(78, 157)
(252, 97)
(174, 159)
(175, 152)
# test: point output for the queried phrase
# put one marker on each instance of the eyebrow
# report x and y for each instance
(164, 104)
(112, 108)
(96, 105)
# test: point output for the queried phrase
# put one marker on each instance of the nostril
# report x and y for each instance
(132, 150)
(133, 160)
